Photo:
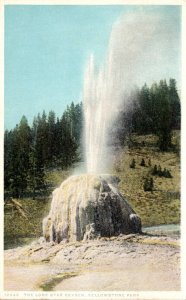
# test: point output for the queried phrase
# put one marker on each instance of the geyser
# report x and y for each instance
(87, 207)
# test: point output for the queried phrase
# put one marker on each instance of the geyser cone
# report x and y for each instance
(88, 206)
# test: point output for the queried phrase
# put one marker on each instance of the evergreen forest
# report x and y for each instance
(55, 142)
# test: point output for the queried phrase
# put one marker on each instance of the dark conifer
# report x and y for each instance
(142, 162)
(133, 164)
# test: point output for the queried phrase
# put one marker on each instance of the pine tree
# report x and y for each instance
(133, 164)
(149, 162)
(78, 123)
(24, 136)
(148, 185)
(39, 153)
(159, 171)
(142, 163)
(174, 104)
(145, 120)
(167, 174)
(17, 152)
(14, 168)
(8, 141)
(68, 143)
(155, 170)
(164, 124)
(51, 157)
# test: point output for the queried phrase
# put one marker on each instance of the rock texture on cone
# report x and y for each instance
(87, 207)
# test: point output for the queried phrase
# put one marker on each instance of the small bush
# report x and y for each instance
(158, 171)
(148, 185)
(142, 162)
(149, 162)
(167, 174)
(154, 170)
(133, 164)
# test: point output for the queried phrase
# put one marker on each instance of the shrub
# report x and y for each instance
(133, 164)
(154, 170)
(148, 185)
(158, 171)
(167, 174)
(149, 162)
(142, 162)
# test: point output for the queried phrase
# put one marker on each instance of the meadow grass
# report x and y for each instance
(19, 230)
(161, 206)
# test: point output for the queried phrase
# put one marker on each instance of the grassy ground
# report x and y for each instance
(20, 229)
(161, 206)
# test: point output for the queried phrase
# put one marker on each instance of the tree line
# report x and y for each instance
(29, 151)
(155, 109)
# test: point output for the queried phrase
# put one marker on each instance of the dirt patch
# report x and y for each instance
(135, 262)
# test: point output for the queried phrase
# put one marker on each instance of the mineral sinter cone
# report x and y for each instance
(87, 207)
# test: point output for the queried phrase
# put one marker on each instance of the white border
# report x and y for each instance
(112, 294)
(183, 151)
(85, 295)
(1, 143)
(95, 2)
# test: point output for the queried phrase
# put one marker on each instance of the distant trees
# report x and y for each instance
(17, 163)
(56, 142)
(157, 171)
(30, 151)
(154, 109)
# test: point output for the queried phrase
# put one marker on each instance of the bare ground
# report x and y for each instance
(124, 263)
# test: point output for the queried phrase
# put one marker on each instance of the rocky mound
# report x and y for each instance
(87, 207)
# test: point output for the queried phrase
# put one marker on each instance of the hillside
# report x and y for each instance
(161, 206)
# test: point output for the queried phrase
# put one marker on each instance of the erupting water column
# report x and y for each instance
(103, 91)
(95, 114)
(89, 206)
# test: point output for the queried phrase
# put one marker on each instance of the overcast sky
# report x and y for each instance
(47, 48)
